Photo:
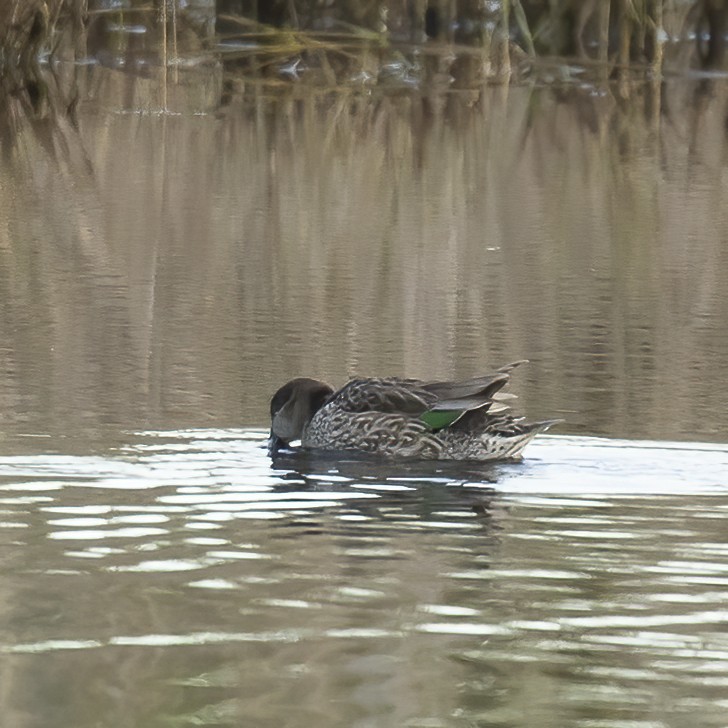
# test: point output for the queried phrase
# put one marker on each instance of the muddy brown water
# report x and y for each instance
(162, 273)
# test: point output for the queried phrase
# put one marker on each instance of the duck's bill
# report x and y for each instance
(275, 444)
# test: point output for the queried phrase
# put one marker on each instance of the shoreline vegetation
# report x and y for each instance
(435, 56)
(395, 45)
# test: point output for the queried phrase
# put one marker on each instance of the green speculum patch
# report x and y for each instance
(439, 419)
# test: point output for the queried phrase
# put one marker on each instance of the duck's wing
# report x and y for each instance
(466, 395)
(471, 393)
(437, 403)
(459, 398)
(399, 396)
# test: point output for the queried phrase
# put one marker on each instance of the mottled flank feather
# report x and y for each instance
(404, 418)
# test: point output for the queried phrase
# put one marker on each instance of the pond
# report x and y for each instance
(162, 273)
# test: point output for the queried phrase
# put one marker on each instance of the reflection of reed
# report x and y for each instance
(160, 260)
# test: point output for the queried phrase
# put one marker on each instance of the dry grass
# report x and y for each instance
(282, 47)
(333, 41)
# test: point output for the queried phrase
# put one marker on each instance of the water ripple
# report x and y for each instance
(598, 567)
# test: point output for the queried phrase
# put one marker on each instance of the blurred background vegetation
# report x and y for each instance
(363, 43)
(227, 48)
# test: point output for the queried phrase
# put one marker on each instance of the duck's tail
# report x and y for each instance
(508, 441)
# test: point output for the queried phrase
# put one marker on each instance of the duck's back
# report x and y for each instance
(393, 418)
(386, 434)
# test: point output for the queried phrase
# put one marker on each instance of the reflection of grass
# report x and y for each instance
(335, 234)
(418, 232)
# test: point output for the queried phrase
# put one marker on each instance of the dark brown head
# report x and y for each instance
(292, 408)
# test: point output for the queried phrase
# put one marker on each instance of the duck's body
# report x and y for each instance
(403, 418)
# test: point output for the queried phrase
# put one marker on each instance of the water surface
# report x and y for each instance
(182, 580)
(164, 268)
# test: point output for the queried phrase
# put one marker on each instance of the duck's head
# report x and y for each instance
(292, 408)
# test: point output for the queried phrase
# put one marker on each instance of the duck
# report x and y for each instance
(399, 418)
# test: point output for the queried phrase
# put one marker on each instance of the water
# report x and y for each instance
(181, 580)
(161, 274)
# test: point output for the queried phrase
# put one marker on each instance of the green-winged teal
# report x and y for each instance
(403, 418)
